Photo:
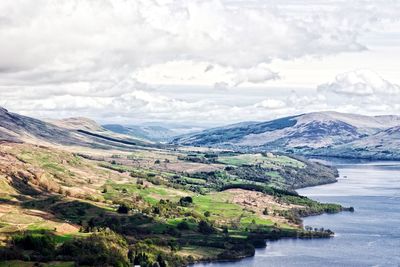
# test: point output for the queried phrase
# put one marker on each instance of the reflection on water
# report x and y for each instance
(368, 237)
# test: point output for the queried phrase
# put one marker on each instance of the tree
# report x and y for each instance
(185, 201)
(183, 225)
(103, 248)
(205, 228)
(123, 208)
(265, 212)
(161, 261)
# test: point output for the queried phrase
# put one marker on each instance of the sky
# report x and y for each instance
(198, 62)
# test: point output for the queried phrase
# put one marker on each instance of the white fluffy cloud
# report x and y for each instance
(360, 83)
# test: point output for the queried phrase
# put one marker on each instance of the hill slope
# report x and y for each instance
(382, 145)
(15, 127)
(73, 131)
(153, 133)
(307, 133)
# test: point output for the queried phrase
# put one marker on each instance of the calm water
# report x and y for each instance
(368, 237)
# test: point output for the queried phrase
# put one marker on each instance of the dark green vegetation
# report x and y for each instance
(279, 171)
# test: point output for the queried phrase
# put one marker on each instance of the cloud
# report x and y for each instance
(271, 104)
(209, 68)
(258, 74)
(105, 59)
(360, 83)
(69, 41)
(221, 86)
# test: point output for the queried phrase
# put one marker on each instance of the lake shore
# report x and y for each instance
(371, 188)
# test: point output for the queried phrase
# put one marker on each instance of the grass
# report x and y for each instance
(151, 194)
(222, 210)
(199, 252)
(49, 161)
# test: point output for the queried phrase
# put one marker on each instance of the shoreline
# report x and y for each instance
(332, 235)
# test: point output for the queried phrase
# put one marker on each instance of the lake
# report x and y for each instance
(368, 237)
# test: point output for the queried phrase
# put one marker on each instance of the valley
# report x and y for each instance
(96, 198)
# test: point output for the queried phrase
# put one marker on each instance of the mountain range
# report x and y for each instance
(318, 133)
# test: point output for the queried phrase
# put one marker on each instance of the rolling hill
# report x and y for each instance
(318, 133)
(70, 132)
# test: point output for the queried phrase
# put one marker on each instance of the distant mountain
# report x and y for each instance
(326, 133)
(152, 131)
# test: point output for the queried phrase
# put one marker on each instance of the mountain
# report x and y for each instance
(18, 128)
(157, 132)
(73, 131)
(382, 145)
(154, 133)
(78, 123)
(312, 133)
